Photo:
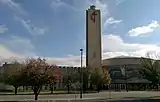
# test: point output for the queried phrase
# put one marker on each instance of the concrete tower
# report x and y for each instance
(93, 38)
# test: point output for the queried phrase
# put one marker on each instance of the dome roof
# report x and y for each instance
(121, 60)
(124, 57)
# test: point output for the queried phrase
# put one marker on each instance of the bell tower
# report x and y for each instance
(93, 38)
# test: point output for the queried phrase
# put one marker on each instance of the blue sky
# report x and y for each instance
(55, 29)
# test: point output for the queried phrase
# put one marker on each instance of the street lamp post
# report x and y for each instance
(81, 74)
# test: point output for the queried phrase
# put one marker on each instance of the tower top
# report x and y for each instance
(92, 7)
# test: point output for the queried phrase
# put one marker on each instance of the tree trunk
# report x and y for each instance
(51, 88)
(145, 87)
(84, 88)
(36, 96)
(127, 87)
(68, 88)
(98, 88)
(23, 88)
(15, 90)
(157, 87)
(36, 90)
(91, 86)
(27, 88)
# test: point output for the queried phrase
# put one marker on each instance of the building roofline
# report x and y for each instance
(126, 57)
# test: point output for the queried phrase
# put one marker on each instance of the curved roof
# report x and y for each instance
(121, 60)
(123, 57)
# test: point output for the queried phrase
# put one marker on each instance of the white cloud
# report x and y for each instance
(144, 29)
(28, 25)
(6, 53)
(111, 20)
(81, 5)
(20, 45)
(3, 29)
(66, 61)
(105, 11)
(112, 43)
(16, 48)
(32, 28)
(14, 6)
(102, 6)
(57, 4)
(112, 46)
(119, 2)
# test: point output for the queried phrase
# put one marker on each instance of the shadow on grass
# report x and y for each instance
(144, 100)
(135, 99)
(46, 93)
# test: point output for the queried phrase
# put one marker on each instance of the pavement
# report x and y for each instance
(136, 96)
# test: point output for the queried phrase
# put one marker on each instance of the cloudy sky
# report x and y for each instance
(55, 29)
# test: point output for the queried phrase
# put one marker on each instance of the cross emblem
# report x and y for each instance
(93, 16)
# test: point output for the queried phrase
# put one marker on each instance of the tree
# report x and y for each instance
(85, 79)
(69, 79)
(86, 75)
(150, 71)
(99, 77)
(105, 77)
(12, 75)
(95, 79)
(54, 77)
(36, 73)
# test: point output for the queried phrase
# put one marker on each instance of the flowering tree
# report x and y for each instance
(36, 73)
(54, 77)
